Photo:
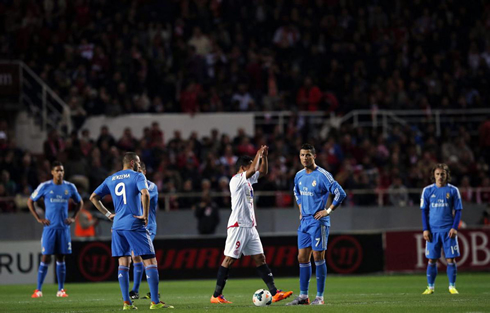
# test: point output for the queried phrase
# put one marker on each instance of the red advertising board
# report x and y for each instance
(405, 251)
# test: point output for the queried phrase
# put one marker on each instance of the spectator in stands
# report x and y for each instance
(398, 193)
(207, 214)
(53, 145)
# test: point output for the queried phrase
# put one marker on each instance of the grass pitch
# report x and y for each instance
(400, 293)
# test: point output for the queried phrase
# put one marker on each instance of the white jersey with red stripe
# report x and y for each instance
(242, 200)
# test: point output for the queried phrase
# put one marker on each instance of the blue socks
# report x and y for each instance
(137, 276)
(321, 276)
(431, 274)
(41, 274)
(452, 271)
(152, 277)
(123, 277)
(61, 274)
(304, 277)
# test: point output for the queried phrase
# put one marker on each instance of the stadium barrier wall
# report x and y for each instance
(405, 251)
(274, 221)
(191, 258)
(19, 262)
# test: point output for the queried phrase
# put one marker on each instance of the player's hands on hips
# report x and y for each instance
(44, 221)
(69, 220)
(143, 218)
(452, 233)
(320, 214)
(427, 235)
(111, 217)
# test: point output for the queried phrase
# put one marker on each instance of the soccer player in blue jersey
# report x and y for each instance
(56, 237)
(438, 201)
(152, 228)
(312, 187)
(129, 232)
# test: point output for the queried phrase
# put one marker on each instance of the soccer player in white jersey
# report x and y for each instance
(437, 203)
(312, 187)
(242, 235)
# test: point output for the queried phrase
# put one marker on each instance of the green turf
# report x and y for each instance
(400, 293)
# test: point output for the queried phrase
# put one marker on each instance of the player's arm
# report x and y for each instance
(77, 208)
(264, 164)
(297, 196)
(338, 196)
(457, 206)
(142, 186)
(96, 201)
(30, 205)
(36, 195)
(145, 201)
(424, 207)
(255, 163)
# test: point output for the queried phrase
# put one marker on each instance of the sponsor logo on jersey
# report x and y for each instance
(305, 192)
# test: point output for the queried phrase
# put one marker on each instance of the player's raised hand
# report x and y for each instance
(427, 236)
(265, 150)
(142, 217)
(69, 221)
(44, 221)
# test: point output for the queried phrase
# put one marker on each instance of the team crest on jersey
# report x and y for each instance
(447, 195)
(313, 183)
(66, 192)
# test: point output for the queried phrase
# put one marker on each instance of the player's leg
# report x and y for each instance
(121, 249)
(61, 275)
(138, 271)
(236, 239)
(451, 251)
(304, 259)
(63, 247)
(320, 237)
(142, 246)
(433, 253)
(47, 249)
(256, 250)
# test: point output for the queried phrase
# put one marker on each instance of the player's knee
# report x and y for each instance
(227, 262)
(432, 261)
(450, 260)
(46, 259)
(259, 259)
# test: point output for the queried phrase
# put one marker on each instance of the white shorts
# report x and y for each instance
(243, 240)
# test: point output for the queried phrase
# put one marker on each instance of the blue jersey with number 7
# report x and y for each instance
(125, 187)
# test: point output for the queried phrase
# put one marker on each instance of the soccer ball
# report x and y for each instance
(262, 297)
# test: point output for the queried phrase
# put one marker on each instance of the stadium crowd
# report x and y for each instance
(359, 158)
(112, 58)
(116, 57)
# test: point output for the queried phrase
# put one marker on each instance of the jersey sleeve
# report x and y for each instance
(297, 194)
(74, 194)
(39, 192)
(457, 204)
(254, 178)
(424, 199)
(338, 192)
(102, 190)
(141, 182)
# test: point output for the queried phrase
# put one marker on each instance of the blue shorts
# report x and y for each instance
(153, 232)
(311, 233)
(56, 241)
(125, 241)
(442, 240)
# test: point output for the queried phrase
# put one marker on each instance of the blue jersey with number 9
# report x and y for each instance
(125, 187)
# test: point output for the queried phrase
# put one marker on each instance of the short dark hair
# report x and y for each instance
(243, 160)
(307, 146)
(441, 166)
(55, 164)
(128, 157)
